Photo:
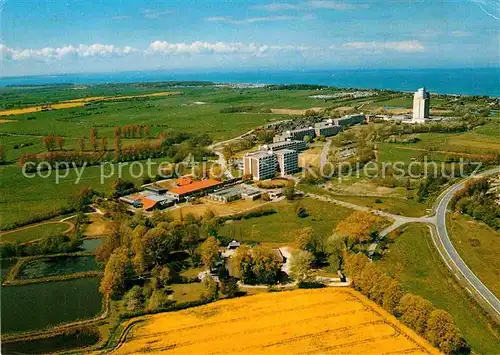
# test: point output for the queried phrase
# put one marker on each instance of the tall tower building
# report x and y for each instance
(421, 106)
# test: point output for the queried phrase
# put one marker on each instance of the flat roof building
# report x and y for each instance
(261, 165)
(350, 120)
(193, 188)
(226, 195)
(288, 144)
(288, 161)
(295, 134)
(234, 193)
(326, 129)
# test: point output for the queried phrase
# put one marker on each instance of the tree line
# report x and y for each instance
(435, 325)
(473, 199)
(175, 145)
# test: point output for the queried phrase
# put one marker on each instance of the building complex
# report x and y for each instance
(282, 155)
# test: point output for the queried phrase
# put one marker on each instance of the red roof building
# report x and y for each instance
(193, 188)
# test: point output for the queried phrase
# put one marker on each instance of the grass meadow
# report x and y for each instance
(413, 260)
(477, 244)
(36, 232)
(281, 227)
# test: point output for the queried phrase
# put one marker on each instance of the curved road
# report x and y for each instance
(451, 256)
(441, 239)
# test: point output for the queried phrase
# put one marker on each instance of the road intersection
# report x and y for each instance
(437, 222)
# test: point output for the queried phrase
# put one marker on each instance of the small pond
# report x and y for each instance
(90, 245)
(57, 266)
(39, 305)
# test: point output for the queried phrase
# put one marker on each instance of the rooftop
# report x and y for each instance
(195, 186)
(285, 151)
(259, 154)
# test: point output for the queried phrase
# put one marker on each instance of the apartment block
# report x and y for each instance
(326, 128)
(296, 134)
(288, 144)
(350, 120)
(261, 165)
(288, 161)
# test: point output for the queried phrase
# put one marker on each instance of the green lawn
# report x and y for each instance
(394, 205)
(177, 112)
(187, 292)
(37, 232)
(281, 226)
(413, 260)
(482, 140)
(40, 195)
(479, 247)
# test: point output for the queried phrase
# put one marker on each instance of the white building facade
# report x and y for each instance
(421, 106)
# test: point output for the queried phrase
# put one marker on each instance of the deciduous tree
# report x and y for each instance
(266, 265)
(415, 312)
(358, 225)
(116, 273)
(300, 268)
(209, 252)
(211, 292)
(59, 141)
(443, 333)
(81, 143)
(104, 144)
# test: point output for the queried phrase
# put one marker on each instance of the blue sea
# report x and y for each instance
(474, 81)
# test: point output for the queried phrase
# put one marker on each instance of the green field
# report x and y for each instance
(57, 266)
(413, 260)
(478, 246)
(42, 195)
(198, 107)
(281, 226)
(40, 305)
(394, 205)
(482, 140)
(37, 232)
(177, 112)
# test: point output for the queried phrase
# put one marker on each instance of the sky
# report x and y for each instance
(70, 36)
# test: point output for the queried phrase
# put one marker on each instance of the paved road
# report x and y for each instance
(221, 159)
(324, 152)
(451, 256)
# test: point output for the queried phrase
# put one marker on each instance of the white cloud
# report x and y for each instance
(312, 4)
(198, 47)
(252, 19)
(397, 46)
(152, 14)
(48, 53)
(335, 5)
(278, 6)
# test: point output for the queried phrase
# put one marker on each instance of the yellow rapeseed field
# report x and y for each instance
(328, 320)
(31, 109)
(79, 103)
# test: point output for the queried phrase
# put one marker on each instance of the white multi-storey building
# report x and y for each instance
(421, 106)
(288, 144)
(261, 165)
(288, 161)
